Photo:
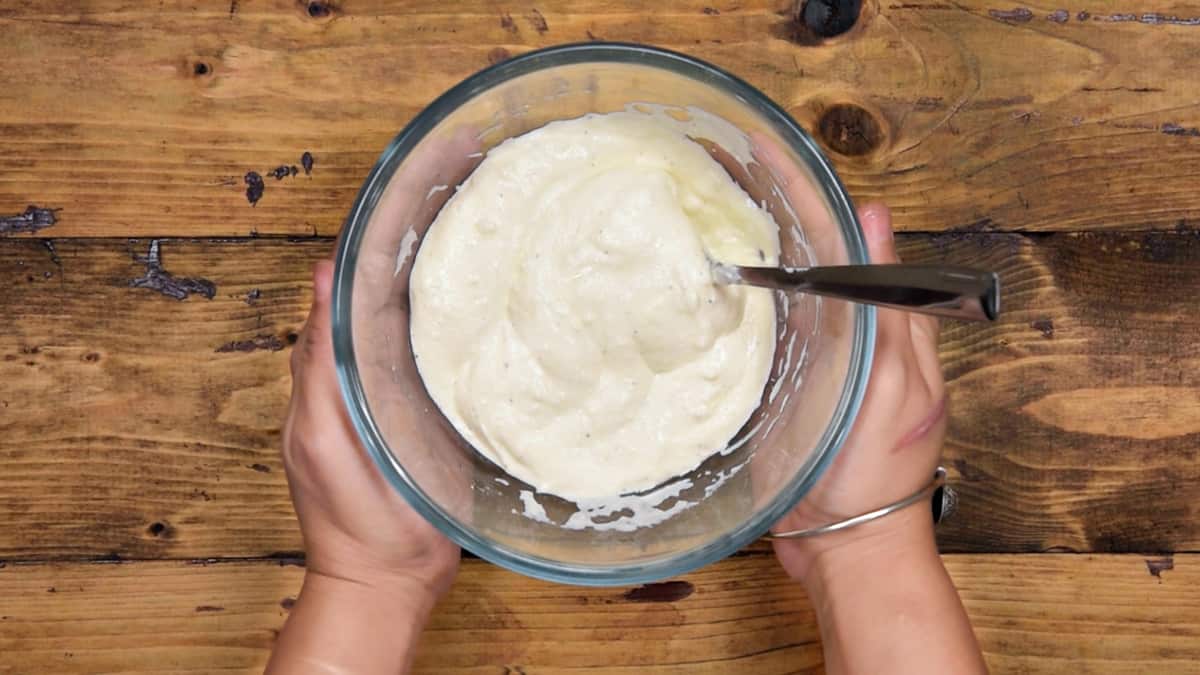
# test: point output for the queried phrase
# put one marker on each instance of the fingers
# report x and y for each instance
(925, 331)
(894, 330)
(911, 338)
(922, 329)
(913, 335)
(924, 334)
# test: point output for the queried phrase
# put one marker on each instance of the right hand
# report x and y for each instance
(895, 444)
(894, 447)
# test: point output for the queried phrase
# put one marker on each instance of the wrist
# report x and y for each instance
(884, 603)
(903, 540)
(426, 577)
(391, 593)
(906, 532)
(342, 625)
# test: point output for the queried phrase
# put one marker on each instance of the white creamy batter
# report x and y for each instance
(564, 317)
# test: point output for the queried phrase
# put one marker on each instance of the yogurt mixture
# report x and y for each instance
(564, 317)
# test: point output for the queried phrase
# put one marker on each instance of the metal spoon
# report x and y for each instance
(952, 292)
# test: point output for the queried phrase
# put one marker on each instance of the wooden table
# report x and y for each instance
(145, 524)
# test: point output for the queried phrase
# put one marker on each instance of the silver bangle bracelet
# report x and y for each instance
(941, 511)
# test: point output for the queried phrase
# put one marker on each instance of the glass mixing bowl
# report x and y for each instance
(822, 358)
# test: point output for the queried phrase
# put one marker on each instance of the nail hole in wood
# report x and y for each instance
(849, 130)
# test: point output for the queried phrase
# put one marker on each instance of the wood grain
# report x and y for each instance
(1032, 613)
(135, 120)
(134, 425)
(142, 384)
(1072, 423)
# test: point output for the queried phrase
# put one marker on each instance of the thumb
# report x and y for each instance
(893, 335)
(320, 317)
(876, 222)
(316, 339)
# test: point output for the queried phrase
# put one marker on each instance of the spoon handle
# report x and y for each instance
(952, 292)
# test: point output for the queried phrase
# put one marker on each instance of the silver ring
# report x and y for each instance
(939, 480)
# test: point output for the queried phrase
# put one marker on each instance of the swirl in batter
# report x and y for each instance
(564, 318)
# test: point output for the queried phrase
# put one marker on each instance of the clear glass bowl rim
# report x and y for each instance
(350, 382)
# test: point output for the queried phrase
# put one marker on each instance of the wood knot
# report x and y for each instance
(201, 69)
(849, 130)
(829, 18)
(160, 530)
(498, 54)
(1045, 325)
(815, 20)
(319, 10)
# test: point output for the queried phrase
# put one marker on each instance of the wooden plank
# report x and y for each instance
(1074, 420)
(133, 424)
(136, 120)
(1032, 613)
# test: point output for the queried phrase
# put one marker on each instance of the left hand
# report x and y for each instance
(355, 525)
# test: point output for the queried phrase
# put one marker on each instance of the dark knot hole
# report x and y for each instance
(850, 130)
(829, 18)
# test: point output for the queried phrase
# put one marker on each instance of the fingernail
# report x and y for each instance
(877, 223)
(322, 279)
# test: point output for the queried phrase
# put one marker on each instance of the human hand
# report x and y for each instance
(375, 568)
(355, 526)
(893, 449)
(883, 599)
